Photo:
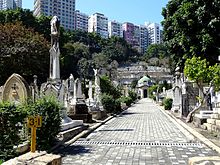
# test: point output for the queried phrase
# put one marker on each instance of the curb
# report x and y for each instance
(193, 132)
(86, 132)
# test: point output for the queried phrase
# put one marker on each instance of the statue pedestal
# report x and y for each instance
(68, 123)
(69, 127)
(80, 112)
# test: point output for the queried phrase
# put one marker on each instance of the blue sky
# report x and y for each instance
(135, 11)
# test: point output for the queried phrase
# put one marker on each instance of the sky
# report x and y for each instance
(134, 11)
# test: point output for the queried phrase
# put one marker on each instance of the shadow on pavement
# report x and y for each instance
(128, 113)
(103, 130)
(73, 150)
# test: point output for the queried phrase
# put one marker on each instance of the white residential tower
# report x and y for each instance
(64, 9)
(115, 29)
(10, 4)
(98, 23)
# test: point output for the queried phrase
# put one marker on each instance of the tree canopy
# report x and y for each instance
(200, 71)
(77, 47)
(22, 51)
(191, 28)
(156, 50)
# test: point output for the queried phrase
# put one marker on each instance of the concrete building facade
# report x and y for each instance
(10, 4)
(136, 41)
(115, 29)
(137, 36)
(64, 9)
(143, 38)
(128, 32)
(98, 23)
(81, 21)
(153, 33)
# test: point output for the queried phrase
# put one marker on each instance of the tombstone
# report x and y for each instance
(90, 100)
(90, 91)
(164, 90)
(97, 88)
(95, 107)
(76, 105)
(16, 90)
(79, 94)
(176, 99)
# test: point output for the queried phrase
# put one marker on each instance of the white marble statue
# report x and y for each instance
(55, 50)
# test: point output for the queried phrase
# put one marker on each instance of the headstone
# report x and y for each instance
(97, 88)
(96, 108)
(16, 89)
(90, 91)
(176, 99)
(79, 94)
(76, 105)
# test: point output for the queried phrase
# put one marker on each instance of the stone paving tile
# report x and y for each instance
(143, 122)
(131, 154)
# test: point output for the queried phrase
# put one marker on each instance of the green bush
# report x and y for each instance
(108, 88)
(167, 102)
(49, 109)
(153, 97)
(126, 100)
(1, 161)
(118, 106)
(110, 104)
(132, 95)
(152, 89)
(11, 121)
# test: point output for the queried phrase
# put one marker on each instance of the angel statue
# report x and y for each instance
(55, 26)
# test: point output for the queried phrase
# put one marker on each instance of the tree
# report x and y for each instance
(199, 71)
(72, 53)
(25, 16)
(191, 29)
(24, 52)
(100, 60)
(156, 50)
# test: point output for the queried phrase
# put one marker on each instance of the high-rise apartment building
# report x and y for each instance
(154, 33)
(115, 29)
(161, 36)
(143, 38)
(136, 41)
(98, 23)
(81, 21)
(136, 36)
(64, 9)
(10, 4)
(128, 32)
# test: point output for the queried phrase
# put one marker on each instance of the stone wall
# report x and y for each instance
(213, 124)
(37, 158)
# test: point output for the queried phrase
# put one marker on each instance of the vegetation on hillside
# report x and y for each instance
(78, 48)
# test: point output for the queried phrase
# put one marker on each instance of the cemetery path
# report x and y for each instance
(141, 135)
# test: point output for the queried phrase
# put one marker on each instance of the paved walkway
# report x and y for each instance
(142, 135)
